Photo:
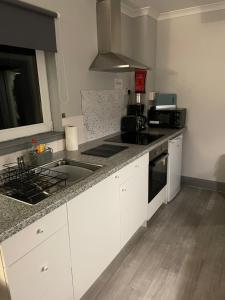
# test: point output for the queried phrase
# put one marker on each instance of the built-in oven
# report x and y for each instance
(158, 161)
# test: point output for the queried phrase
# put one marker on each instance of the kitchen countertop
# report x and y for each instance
(15, 215)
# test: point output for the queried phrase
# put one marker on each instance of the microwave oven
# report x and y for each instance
(167, 118)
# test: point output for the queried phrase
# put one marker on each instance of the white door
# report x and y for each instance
(174, 166)
(94, 226)
(133, 201)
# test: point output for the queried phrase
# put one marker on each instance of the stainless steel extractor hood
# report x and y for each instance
(109, 58)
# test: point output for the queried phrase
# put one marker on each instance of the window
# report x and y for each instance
(24, 99)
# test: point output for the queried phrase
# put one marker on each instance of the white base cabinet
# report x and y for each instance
(61, 255)
(174, 167)
(94, 226)
(37, 260)
(133, 202)
(103, 219)
(44, 273)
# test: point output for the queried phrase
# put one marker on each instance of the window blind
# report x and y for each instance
(27, 26)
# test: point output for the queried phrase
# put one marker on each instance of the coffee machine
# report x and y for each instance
(135, 120)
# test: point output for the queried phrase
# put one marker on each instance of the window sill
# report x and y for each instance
(19, 144)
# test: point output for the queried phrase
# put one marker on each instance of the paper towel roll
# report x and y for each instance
(71, 133)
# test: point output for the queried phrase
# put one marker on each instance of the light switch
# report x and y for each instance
(118, 84)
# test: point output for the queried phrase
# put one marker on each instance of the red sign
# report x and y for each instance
(140, 79)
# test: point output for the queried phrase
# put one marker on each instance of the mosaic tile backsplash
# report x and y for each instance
(102, 111)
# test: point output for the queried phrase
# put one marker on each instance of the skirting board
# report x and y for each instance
(204, 184)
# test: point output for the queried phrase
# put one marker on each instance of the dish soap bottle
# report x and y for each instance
(34, 145)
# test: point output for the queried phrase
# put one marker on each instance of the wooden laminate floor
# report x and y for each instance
(179, 256)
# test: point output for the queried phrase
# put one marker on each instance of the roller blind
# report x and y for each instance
(27, 26)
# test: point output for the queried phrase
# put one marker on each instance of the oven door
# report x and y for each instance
(157, 175)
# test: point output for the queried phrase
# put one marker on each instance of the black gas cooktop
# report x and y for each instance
(136, 138)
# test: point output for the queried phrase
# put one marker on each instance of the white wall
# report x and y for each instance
(77, 45)
(144, 38)
(139, 42)
(191, 62)
(77, 41)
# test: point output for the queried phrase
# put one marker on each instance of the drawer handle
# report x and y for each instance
(44, 269)
(40, 231)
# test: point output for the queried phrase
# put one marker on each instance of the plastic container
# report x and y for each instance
(39, 159)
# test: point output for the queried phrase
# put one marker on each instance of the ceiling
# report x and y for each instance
(168, 5)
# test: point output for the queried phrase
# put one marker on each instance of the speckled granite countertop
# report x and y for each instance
(14, 216)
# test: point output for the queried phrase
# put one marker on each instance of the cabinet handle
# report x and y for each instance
(40, 231)
(44, 269)
(117, 177)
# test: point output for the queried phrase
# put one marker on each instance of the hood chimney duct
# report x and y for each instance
(109, 58)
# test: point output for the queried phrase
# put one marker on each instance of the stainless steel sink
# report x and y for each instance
(74, 170)
(32, 185)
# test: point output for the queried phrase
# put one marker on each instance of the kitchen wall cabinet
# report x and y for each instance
(44, 272)
(103, 219)
(174, 166)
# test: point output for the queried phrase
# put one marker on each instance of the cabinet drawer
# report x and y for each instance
(43, 271)
(22, 242)
(131, 168)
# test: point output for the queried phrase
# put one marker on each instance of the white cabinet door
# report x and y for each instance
(45, 272)
(134, 201)
(103, 219)
(94, 226)
(174, 166)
